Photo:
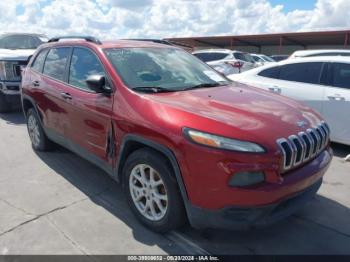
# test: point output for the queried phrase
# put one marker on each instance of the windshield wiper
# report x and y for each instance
(203, 85)
(152, 89)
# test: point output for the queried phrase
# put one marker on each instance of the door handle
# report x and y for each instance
(336, 97)
(275, 89)
(36, 83)
(66, 96)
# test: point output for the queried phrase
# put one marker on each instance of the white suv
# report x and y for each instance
(226, 61)
(320, 52)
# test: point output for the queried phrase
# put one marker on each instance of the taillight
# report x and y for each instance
(236, 64)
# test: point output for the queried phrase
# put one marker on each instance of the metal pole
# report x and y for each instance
(346, 40)
(280, 46)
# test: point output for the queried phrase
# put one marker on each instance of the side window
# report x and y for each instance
(341, 75)
(56, 61)
(270, 72)
(39, 61)
(302, 72)
(83, 64)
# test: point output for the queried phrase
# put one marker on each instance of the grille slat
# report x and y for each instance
(298, 149)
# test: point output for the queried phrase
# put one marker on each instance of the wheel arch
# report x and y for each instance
(132, 143)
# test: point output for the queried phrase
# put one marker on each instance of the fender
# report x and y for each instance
(158, 147)
(31, 100)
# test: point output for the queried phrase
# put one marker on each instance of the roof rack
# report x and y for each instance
(159, 41)
(86, 38)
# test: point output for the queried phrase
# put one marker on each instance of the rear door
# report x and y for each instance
(90, 112)
(49, 86)
(336, 109)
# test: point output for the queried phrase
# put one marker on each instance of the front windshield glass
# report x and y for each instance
(20, 42)
(167, 68)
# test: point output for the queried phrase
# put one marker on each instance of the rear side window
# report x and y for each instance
(341, 75)
(270, 72)
(207, 57)
(56, 61)
(84, 64)
(301, 72)
(39, 61)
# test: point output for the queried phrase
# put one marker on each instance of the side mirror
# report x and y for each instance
(97, 83)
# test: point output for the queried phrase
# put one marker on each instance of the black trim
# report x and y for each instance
(86, 38)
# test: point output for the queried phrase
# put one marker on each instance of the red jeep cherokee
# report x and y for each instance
(182, 139)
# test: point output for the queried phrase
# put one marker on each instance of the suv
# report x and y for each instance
(15, 50)
(320, 52)
(182, 139)
(226, 61)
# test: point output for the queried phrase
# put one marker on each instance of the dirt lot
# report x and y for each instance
(57, 203)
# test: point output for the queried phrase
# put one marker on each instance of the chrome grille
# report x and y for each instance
(297, 149)
(13, 70)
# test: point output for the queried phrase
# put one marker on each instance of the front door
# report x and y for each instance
(90, 112)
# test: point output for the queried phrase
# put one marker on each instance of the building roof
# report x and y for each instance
(299, 38)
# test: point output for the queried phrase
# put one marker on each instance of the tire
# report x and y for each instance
(172, 215)
(4, 105)
(39, 140)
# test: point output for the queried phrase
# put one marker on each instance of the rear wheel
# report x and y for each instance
(39, 140)
(4, 105)
(152, 191)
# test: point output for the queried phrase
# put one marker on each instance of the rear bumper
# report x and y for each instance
(238, 218)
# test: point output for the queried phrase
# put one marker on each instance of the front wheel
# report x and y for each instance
(4, 105)
(152, 191)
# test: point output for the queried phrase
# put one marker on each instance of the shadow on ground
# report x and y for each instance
(13, 118)
(340, 150)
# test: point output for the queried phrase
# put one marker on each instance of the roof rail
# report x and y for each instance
(86, 38)
(159, 41)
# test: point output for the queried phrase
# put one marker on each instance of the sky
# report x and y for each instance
(112, 19)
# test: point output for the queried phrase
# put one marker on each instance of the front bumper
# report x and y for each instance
(297, 188)
(10, 88)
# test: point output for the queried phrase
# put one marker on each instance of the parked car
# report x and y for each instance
(15, 49)
(320, 52)
(323, 83)
(226, 61)
(181, 138)
(279, 58)
(261, 59)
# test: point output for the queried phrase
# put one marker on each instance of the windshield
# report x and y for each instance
(167, 68)
(20, 42)
(244, 57)
(211, 56)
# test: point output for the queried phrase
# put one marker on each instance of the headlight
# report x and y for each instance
(220, 142)
(2, 70)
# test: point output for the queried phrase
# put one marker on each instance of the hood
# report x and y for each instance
(239, 111)
(16, 54)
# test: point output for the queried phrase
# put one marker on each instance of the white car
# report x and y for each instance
(261, 59)
(322, 83)
(320, 52)
(226, 61)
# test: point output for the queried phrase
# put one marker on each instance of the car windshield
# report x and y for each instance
(21, 41)
(162, 69)
(244, 57)
(211, 56)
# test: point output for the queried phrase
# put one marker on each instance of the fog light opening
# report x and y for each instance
(244, 179)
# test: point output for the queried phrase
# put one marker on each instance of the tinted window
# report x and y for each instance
(84, 64)
(257, 59)
(341, 75)
(270, 72)
(244, 57)
(207, 57)
(56, 61)
(301, 72)
(39, 61)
